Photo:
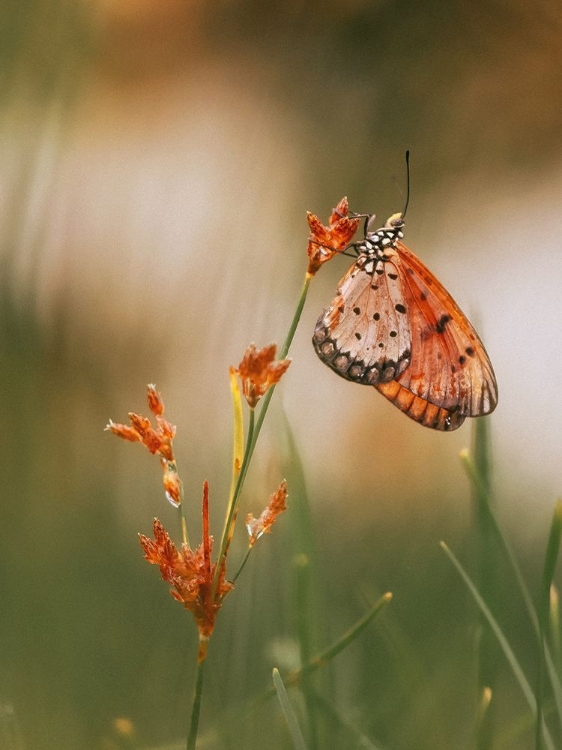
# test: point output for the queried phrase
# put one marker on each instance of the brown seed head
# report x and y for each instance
(190, 574)
(123, 431)
(326, 241)
(155, 403)
(258, 371)
(262, 525)
(157, 439)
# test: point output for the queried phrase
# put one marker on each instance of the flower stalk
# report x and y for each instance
(196, 582)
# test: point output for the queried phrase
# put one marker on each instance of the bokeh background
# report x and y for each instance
(157, 161)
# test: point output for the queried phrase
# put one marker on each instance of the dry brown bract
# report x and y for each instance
(326, 241)
(158, 440)
(258, 371)
(262, 525)
(190, 572)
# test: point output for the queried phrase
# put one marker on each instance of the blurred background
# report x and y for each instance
(157, 163)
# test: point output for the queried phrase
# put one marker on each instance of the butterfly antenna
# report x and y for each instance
(407, 184)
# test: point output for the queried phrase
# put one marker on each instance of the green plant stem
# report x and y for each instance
(183, 525)
(234, 503)
(551, 559)
(321, 659)
(268, 396)
(254, 431)
(484, 498)
(243, 563)
(303, 586)
(196, 709)
(289, 713)
(488, 653)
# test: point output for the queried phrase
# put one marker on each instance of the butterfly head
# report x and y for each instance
(396, 220)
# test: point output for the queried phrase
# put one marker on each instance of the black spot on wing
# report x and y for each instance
(442, 323)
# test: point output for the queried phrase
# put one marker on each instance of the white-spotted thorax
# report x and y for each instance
(380, 245)
(376, 243)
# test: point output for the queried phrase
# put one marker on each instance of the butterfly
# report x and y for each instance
(394, 326)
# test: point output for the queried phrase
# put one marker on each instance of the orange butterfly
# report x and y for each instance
(392, 325)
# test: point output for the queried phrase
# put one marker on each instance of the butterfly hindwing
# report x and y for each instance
(419, 409)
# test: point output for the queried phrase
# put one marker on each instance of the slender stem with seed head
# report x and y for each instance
(254, 431)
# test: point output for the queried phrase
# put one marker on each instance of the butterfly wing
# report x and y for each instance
(422, 411)
(449, 376)
(365, 334)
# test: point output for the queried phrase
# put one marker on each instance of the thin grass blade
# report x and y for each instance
(290, 717)
(295, 677)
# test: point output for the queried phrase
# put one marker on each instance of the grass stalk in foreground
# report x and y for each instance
(295, 676)
(550, 561)
(301, 568)
(488, 580)
(503, 642)
(290, 716)
(483, 496)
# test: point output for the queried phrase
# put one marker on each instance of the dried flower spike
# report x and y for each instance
(158, 440)
(155, 403)
(326, 241)
(190, 572)
(258, 371)
(262, 525)
(172, 483)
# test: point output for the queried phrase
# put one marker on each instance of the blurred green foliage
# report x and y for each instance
(117, 118)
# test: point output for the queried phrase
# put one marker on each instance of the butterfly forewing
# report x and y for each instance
(365, 335)
(394, 326)
(449, 366)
